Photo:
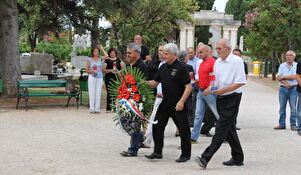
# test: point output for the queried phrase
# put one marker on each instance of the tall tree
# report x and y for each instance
(279, 23)
(9, 52)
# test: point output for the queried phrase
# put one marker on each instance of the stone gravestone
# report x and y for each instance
(36, 62)
(78, 61)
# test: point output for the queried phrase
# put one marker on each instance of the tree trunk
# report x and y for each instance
(274, 65)
(9, 51)
(266, 67)
(94, 33)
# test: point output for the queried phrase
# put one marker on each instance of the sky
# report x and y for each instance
(219, 4)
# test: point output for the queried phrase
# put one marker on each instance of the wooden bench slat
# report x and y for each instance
(41, 81)
(41, 85)
(47, 94)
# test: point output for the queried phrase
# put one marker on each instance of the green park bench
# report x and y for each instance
(23, 91)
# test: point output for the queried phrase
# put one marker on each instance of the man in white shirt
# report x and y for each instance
(195, 62)
(288, 91)
(230, 77)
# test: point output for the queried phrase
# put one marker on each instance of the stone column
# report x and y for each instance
(234, 37)
(190, 37)
(183, 38)
(241, 43)
(226, 33)
(230, 33)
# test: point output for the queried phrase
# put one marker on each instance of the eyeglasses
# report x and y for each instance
(219, 48)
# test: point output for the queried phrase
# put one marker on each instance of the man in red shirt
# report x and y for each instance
(204, 97)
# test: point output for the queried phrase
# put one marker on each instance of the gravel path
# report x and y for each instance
(60, 141)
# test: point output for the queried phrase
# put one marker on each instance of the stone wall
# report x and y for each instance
(36, 62)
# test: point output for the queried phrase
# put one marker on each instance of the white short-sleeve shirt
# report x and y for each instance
(230, 71)
(284, 70)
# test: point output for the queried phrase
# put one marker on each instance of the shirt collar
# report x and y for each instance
(137, 62)
(172, 64)
(228, 59)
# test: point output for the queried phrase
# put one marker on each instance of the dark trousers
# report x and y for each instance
(109, 97)
(209, 121)
(190, 110)
(227, 107)
(181, 120)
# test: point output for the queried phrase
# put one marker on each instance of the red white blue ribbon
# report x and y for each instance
(133, 108)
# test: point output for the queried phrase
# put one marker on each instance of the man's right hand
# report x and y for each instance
(288, 86)
(159, 95)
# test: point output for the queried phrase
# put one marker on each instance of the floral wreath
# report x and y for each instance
(132, 100)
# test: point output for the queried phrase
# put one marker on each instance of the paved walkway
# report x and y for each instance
(64, 141)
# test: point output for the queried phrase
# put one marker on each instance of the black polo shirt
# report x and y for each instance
(142, 66)
(173, 78)
(298, 71)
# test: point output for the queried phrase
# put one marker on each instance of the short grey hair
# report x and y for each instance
(182, 55)
(172, 48)
(227, 43)
(190, 48)
(134, 46)
(291, 52)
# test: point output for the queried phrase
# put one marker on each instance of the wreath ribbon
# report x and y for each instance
(132, 108)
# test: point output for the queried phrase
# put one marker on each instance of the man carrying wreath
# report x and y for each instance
(176, 88)
(133, 55)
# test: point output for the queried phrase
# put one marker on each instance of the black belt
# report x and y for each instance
(227, 96)
(291, 87)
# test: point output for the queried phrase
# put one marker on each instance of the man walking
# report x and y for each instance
(176, 88)
(204, 98)
(133, 54)
(230, 77)
(288, 90)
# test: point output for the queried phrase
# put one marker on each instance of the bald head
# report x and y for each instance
(223, 48)
(204, 52)
(138, 39)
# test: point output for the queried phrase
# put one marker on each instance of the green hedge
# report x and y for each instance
(59, 51)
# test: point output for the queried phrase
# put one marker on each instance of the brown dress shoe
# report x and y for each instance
(279, 127)
(294, 128)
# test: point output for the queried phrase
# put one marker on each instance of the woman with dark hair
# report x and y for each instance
(111, 66)
(93, 68)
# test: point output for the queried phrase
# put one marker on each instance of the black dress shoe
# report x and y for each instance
(154, 156)
(202, 162)
(182, 159)
(232, 162)
(208, 134)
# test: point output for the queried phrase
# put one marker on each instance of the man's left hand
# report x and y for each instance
(179, 106)
(219, 91)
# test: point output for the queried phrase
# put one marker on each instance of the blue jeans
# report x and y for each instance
(136, 139)
(201, 104)
(289, 94)
(299, 111)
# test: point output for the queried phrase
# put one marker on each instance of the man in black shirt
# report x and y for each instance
(176, 88)
(133, 54)
(144, 54)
